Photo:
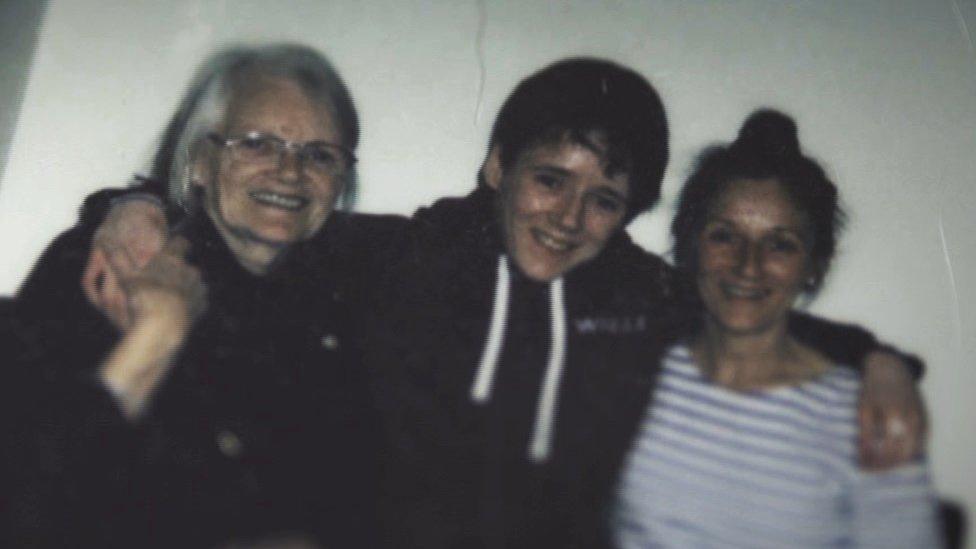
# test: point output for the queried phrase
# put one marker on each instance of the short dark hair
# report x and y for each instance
(767, 147)
(576, 98)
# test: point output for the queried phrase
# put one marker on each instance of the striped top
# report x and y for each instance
(712, 467)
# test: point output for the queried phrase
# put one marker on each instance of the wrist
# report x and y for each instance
(137, 211)
(165, 329)
(137, 363)
(883, 365)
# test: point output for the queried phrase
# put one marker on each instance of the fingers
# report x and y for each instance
(907, 433)
(130, 236)
(120, 261)
(169, 268)
(101, 285)
(168, 286)
(890, 447)
(869, 448)
(135, 230)
(897, 442)
(93, 277)
(124, 289)
(176, 246)
(891, 414)
(889, 437)
(116, 301)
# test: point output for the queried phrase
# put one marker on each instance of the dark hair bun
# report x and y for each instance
(768, 133)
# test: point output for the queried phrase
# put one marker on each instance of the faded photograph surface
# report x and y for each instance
(487, 274)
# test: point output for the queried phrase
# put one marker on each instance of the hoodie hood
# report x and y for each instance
(473, 221)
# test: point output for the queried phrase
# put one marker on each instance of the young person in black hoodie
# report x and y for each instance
(513, 335)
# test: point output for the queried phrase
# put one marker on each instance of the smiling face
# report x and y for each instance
(753, 257)
(558, 206)
(260, 208)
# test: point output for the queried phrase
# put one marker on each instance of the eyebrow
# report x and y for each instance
(614, 193)
(798, 231)
(603, 189)
(552, 169)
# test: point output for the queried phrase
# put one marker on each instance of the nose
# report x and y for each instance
(570, 211)
(749, 260)
(290, 164)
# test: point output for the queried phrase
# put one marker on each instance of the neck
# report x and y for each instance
(254, 256)
(747, 361)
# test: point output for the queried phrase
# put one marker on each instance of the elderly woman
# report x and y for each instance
(253, 422)
(751, 437)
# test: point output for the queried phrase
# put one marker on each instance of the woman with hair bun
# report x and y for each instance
(751, 440)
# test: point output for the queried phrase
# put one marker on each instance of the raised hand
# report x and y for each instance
(132, 233)
(167, 289)
(163, 300)
(891, 413)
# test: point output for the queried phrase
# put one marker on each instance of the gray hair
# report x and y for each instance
(205, 103)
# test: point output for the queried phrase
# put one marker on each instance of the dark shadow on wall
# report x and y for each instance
(20, 21)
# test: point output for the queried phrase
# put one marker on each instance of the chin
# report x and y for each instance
(539, 274)
(277, 234)
(270, 239)
(546, 269)
(743, 325)
(538, 271)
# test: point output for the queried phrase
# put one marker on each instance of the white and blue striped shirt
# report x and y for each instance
(712, 467)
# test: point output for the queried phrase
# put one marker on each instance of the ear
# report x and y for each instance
(200, 167)
(491, 170)
(812, 276)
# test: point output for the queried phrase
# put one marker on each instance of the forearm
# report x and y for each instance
(54, 281)
(137, 364)
(846, 344)
(891, 411)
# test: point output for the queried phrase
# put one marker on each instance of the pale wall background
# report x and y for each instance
(884, 92)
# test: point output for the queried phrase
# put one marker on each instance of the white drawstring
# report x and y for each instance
(541, 443)
(481, 389)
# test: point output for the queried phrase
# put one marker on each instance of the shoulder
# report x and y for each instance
(626, 267)
(839, 383)
(679, 356)
(363, 229)
(455, 237)
(462, 220)
(356, 240)
(628, 282)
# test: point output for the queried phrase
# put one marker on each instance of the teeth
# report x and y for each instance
(552, 243)
(279, 200)
(745, 293)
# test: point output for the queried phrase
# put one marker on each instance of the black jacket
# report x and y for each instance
(263, 427)
(462, 473)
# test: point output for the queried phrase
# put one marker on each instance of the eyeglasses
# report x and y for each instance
(318, 157)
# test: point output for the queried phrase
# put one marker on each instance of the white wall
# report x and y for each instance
(884, 92)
